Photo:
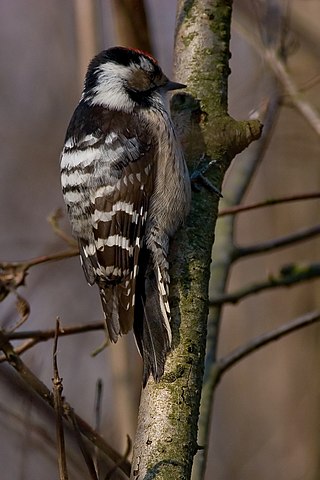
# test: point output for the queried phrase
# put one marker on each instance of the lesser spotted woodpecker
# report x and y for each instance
(127, 189)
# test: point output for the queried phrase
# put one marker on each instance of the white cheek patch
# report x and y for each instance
(113, 96)
(110, 91)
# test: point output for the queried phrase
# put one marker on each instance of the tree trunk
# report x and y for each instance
(166, 439)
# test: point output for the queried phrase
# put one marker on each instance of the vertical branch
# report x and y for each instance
(166, 439)
(86, 33)
(131, 24)
(57, 400)
(224, 249)
(97, 423)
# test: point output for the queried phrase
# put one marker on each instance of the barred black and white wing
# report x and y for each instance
(108, 178)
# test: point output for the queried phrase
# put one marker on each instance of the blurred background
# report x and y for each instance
(266, 415)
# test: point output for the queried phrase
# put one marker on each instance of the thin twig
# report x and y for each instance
(285, 241)
(41, 389)
(124, 459)
(307, 110)
(53, 219)
(72, 252)
(288, 276)
(13, 274)
(238, 354)
(25, 265)
(84, 450)
(57, 400)
(97, 426)
(37, 336)
(27, 345)
(267, 203)
(279, 70)
(23, 309)
(98, 400)
(311, 82)
(63, 331)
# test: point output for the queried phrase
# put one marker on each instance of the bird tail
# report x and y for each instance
(118, 307)
(152, 315)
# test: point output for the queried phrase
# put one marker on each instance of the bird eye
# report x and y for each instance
(155, 80)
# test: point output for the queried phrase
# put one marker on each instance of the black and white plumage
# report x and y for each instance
(127, 189)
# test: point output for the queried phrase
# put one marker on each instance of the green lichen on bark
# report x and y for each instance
(170, 409)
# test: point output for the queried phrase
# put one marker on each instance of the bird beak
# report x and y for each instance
(173, 86)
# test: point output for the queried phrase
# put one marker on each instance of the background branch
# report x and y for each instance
(234, 357)
(267, 203)
(289, 275)
(40, 388)
(238, 185)
(278, 67)
(57, 403)
(37, 336)
(302, 235)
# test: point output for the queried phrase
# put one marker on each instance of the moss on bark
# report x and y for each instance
(166, 439)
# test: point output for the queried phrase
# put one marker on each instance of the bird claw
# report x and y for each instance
(198, 180)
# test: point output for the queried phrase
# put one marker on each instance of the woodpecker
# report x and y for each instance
(127, 189)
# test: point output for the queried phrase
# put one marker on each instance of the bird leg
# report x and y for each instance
(198, 180)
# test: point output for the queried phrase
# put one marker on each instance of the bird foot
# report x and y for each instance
(198, 180)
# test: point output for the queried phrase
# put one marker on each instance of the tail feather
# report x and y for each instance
(152, 319)
(142, 302)
(110, 303)
(118, 305)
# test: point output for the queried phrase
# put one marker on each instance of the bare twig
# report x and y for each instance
(63, 331)
(57, 400)
(124, 459)
(277, 65)
(72, 252)
(84, 450)
(285, 241)
(307, 110)
(13, 274)
(98, 402)
(238, 354)
(23, 309)
(25, 265)
(288, 276)
(21, 348)
(311, 82)
(54, 219)
(267, 203)
(37, 336)
(41, 389)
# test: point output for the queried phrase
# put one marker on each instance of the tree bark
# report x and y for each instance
(166, 438)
